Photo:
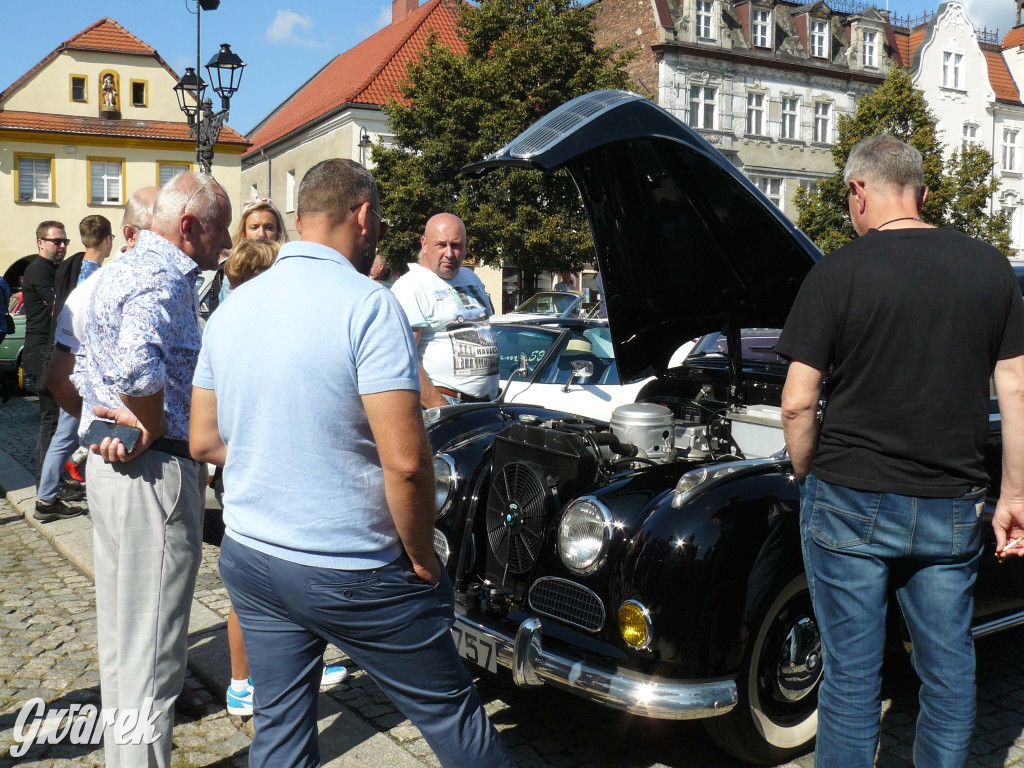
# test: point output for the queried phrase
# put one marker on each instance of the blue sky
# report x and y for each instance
(284, 42)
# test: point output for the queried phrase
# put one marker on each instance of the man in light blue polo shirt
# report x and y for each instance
(329, 496)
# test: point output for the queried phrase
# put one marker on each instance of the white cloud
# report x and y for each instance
(382, 20)
(291, 28)
(991, 14)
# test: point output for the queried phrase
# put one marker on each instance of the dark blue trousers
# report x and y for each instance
(388, 620)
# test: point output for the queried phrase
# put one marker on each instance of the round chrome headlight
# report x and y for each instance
(445, 478)
(583, 535)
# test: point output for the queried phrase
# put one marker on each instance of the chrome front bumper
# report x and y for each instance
(622, 689)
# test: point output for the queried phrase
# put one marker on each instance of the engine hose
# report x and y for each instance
(612, 441)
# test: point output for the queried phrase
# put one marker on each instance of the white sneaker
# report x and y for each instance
(333, 674)
(240, 703)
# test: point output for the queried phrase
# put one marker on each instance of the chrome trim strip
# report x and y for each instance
(619, 688)
(998, 625)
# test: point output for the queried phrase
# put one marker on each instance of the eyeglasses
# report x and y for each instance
(193, 195)
(57, 241)
(383, 221)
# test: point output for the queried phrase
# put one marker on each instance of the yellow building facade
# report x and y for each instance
(87, 126)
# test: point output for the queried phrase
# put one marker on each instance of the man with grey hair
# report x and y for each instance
(336, 544)
(912, 321)
(138, 215)
(139, 352)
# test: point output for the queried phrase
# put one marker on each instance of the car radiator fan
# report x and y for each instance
(535, 471)
(515, 516)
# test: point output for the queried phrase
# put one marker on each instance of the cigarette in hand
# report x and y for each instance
(1012, 544)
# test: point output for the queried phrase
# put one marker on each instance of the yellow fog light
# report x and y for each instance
(635, 624)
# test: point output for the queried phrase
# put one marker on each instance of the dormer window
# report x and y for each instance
(869, 48)
(952, 70)
(761, 28)
(819, 39)
(704, 28)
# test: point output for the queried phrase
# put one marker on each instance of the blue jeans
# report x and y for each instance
(388, 620)
(857, 546)
(65, 441)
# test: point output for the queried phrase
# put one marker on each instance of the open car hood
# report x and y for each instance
(685, 243)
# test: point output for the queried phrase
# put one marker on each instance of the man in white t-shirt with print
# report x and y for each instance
(448, 309)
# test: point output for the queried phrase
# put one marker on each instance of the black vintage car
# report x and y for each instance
(652, 564)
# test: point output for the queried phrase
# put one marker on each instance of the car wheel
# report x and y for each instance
(776, 717)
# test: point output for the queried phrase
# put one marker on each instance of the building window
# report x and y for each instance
(79, 88)
(704, 28)
(702, 106)
(167, 171)
(771, 186)
(1010, 162)
(106, 181)
(34, 178)
(819, 39)
(761, 27)
(140, 93)
(755, 114)
(289, 191)
(790, 123)
(970, 135)
(870, 49)
(1010, 212)
(952, 70)
(822, 123)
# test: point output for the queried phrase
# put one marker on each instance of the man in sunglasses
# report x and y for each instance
(37, 287)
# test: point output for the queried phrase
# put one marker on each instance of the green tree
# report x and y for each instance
(523, 58)
(959, 189)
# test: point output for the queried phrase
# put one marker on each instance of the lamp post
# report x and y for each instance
(225, 73)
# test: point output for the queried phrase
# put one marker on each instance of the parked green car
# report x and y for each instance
(10, 348)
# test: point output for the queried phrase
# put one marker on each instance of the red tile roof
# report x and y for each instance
(1014, 37)
(1000, 78)
(367, 74)
(94, 126)
(104, 35)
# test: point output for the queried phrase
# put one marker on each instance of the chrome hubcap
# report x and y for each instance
(800, 660)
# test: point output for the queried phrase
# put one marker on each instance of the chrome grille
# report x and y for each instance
(441, 547)
(568, 601)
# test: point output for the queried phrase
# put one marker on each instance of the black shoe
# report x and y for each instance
(55, 510)
(189, 702)
(71, 491)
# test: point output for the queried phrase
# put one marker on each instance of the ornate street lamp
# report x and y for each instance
(364, 144)
(225, 73)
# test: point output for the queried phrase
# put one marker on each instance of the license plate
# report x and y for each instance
(476, 647)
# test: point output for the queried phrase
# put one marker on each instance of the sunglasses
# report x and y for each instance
(57, 240)
(383, 221)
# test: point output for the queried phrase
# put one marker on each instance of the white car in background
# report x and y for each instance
(551, 349)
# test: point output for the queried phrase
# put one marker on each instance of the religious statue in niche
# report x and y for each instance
(110, 102)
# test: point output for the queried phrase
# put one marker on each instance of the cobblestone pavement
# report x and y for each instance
(543, 727)
(48, 636)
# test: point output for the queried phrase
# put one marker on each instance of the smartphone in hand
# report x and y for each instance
(99, 429)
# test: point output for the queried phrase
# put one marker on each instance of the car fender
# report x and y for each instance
(705, 569)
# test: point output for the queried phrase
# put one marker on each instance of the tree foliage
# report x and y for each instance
(523, 59)
(959, 189)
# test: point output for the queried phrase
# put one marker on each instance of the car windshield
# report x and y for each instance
(593, 345)
(758, 344)
(554, 304)
(515, 339)
(1018, 269)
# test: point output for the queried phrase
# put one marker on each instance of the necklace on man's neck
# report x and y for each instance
(901, 218)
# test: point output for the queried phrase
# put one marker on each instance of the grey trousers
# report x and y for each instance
(147, 539)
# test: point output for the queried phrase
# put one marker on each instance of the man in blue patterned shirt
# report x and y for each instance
(141, 343)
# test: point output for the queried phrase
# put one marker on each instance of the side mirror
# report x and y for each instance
(523, 368)
(581, 371)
